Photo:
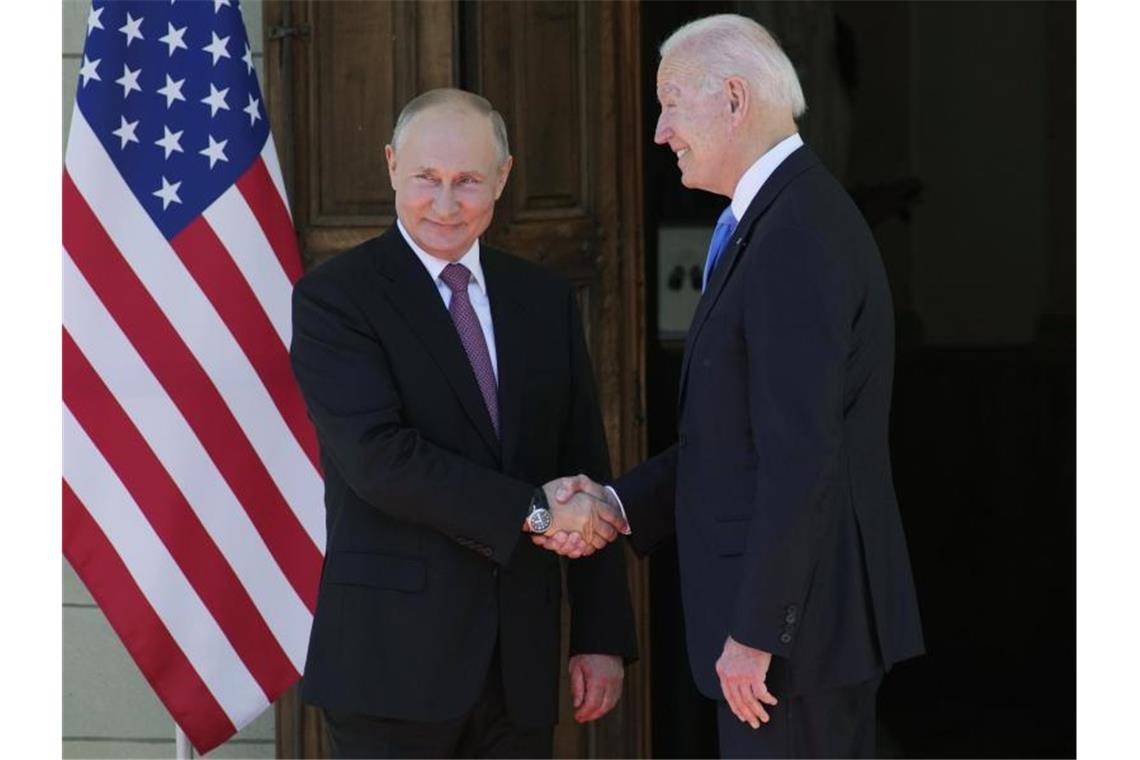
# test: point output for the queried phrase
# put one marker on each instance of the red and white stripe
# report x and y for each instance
(193, 503)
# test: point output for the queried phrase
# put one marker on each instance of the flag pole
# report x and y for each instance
(182, 747)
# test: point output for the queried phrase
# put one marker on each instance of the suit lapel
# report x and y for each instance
(508, 313)
(795, 164)
(708, 298)
(416, 297)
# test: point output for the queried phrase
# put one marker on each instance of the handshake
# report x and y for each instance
(584, 517)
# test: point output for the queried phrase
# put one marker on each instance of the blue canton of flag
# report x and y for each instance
(187, 117)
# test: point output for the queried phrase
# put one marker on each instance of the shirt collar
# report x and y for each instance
(757, 174)
(435, 265)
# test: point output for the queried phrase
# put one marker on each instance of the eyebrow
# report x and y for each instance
(461, 173)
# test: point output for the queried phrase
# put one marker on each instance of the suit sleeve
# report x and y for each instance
(343, 372)
(601, 619)
(796, 328)
(648, 494)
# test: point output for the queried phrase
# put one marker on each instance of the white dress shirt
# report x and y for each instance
(476, 290)
(753, 179)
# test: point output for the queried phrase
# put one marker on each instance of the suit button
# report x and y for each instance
(790, 618)
(487, 551)
(785, 638)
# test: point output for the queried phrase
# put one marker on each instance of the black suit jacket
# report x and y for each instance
(779, 487)
(426, 565)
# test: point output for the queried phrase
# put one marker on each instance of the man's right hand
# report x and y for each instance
(561, 489)
(584, 516)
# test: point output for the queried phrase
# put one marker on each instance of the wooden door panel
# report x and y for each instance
(361, 83)
(530, 61)
(545, 93)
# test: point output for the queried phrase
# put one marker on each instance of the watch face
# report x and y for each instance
(539, 520)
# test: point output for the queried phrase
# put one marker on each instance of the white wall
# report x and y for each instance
(108, 709)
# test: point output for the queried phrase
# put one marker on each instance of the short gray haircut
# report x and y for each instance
(730, 45)
(461, 99)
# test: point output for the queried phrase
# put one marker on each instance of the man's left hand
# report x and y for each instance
(742, 671)
(595, 684)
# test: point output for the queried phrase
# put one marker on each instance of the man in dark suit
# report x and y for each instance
(446, 381)
(794, 569)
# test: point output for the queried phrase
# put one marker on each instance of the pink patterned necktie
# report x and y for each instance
(456, 277)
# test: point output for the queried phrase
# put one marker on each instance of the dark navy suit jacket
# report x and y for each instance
(427, 567)
(779, 487)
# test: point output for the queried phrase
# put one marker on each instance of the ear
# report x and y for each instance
(739, 99)
(504, 172)
(390, 156)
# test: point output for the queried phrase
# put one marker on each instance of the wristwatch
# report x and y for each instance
(538, 519)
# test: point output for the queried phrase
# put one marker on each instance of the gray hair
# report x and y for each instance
(447, 96)
(731, 45)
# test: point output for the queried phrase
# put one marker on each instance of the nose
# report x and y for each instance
(663, 132)
(444, 203)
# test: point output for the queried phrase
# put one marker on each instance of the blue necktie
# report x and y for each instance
(724, 227)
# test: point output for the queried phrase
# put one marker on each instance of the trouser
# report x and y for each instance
(484, 731)
(834, 723)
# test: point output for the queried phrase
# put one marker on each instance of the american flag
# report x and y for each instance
(192, 496)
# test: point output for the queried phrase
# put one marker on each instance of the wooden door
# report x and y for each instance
(565, 76)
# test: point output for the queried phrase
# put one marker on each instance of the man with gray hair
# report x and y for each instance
(795, 579)
(449, 384)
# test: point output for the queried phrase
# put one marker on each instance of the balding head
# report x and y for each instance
(458, 101)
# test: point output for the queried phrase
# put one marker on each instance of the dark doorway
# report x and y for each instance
(953, 127)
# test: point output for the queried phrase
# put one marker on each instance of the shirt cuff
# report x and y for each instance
(628, 531)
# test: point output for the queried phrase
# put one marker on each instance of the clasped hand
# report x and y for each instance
(583, 518)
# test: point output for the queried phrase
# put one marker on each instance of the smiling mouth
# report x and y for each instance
(681, 153)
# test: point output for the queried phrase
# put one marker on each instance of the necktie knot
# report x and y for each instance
(456, 277)
(727, 217)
